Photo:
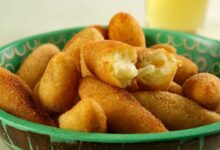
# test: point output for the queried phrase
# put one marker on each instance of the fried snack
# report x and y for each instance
(59, 84)
(175, 88)
(84, 70)
(87, 116)
(37, 98)
(35, 64)
(36, 93)
(186, 70)
(203, 88)
(167, 47)
(123, 27)
(74, 45)
(141, 51)
(124, 113)
(111, 61)
(218, 110)
(16, 98)
(156, 69)
(175, 111)
(102, 30)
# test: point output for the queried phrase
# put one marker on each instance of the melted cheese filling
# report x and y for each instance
(157, 64)
(124, 69)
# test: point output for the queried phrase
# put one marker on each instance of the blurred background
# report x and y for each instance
(21, 18)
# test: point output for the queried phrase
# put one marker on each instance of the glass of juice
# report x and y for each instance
(180, 15)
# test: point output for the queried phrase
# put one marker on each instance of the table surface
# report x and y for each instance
(3, 146)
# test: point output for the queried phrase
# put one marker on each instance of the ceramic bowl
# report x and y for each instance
(19, 134)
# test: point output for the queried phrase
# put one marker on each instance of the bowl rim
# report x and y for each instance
(78, 28)
(60, 135)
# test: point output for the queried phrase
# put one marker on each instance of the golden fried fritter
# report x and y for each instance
(186, 70)
(84, 69)
(59, 84)
(102, 30)
(124, 113)
(218, 110)
(123, 27)
(35, 64)
(175, 111)
(203, 88)
(167, 47)
(36, 93)
(156, 69)
(86, 116)
(175, 88)
(16, 98)
(74, 45)
(111, 61)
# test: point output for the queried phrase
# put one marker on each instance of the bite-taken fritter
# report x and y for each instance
(175, 111)
(124, 113)
(156, 69)
(203, 88)
(187, 69)
(74, 45)
(167, 47)
(123, 27)
(111, 61)
(35, 64)
(175, 88)
(59, 84)
(16, 98)
(87, 116)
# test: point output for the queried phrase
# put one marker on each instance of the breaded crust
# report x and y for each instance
(123, 27)
(102, 30)
(84, 69)
(175, 111)
(74, 45)
(186, 70)
(16, 98)
(175, 88)
(87, 116)
(124, 113)
(167, 47)
(203, 88)
(35, 64)
(59, 84)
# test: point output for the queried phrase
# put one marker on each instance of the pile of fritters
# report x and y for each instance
(109, 80)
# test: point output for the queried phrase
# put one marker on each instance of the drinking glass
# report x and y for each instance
(180, 15)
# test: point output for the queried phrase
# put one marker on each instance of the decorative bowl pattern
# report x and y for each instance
(19, 134)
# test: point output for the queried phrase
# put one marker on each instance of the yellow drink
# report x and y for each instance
(182, 15)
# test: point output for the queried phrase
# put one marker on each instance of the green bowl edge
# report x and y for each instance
(61, 135)
(39, 35)
(81, 27)
(191, 35)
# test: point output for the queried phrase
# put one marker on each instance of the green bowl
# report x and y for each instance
(19, 134)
